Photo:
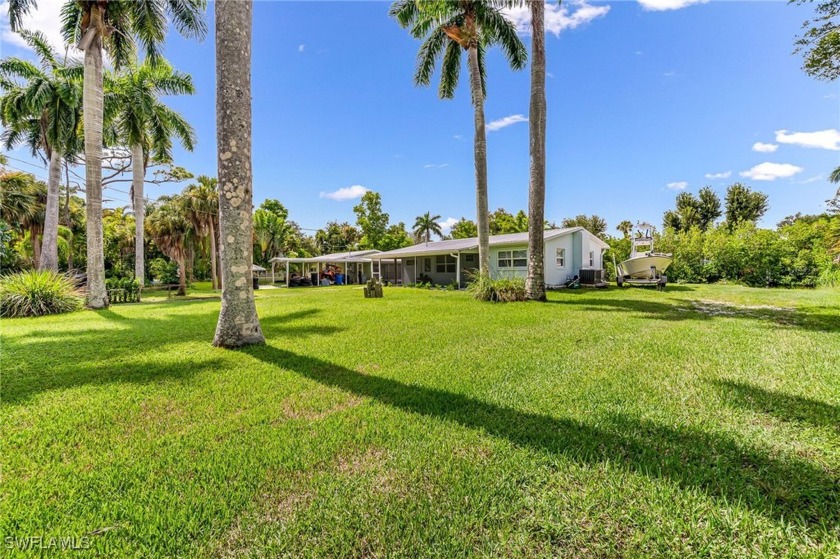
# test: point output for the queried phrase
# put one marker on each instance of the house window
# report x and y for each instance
(444, 264)
(469, 258)
(427, 265)
(409, 262)
(560, 258)
(591, 258)
(513, 258)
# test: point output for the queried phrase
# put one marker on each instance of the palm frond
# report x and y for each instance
(427, 56)
(13, 67)
(17, 10)
(72, 15)
(188, 17)
(450, 70)
(39, 43)
(499, 30)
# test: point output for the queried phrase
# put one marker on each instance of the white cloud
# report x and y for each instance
(505, 122)
(447, 224)
(639, 52)
(549, 75)
(764, 148)
(662, 5)
(45, 18)
(558, 17)
(346, 193)
(823, 139)
(680, 185)
(301, 48)
(771, 171)
(723, 175)
(435, 165)
(669, 74)
(458, 137)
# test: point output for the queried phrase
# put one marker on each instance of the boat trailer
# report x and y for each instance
(655, 278)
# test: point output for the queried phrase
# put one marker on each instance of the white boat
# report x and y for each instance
(644, 263)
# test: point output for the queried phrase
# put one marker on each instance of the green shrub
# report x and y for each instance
(34, 293)
(502, 290)
(164, 271)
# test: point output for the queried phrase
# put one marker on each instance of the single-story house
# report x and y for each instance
(568, 252)
(356, 265)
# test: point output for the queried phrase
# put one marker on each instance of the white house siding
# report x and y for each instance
(554, 274)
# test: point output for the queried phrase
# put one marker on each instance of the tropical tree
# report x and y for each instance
(270, 232)
(238, 322)
(447, 27)
(22, 206)
(425, 225)
(337, 237)
(463, 229)
(535, 279)
(744, 205)
(170, 229)
(94, 26)
(372, 221)
(595, 224)
(201, 201)
(147, 126)
(625, 228)
(41, 107)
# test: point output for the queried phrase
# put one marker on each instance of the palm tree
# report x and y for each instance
(170, 229)
(22, 205)
(448, 27)
(535, 279)
(625, 228)
(147, 126)
(238, 322)
(270, 233)
(202, 205)
(425, 225)
(98, 24)
(42, 108)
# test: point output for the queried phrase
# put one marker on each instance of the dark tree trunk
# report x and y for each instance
(238, 322)
(48, 259)
(535, 281)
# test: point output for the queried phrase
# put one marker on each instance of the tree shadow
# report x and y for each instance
(780, 487)
(782, 406)
(806, 318)
(106, 361)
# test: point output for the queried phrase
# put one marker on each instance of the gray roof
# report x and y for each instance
(351, 256)
(471, 244)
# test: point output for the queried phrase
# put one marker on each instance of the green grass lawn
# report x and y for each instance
(702, 421)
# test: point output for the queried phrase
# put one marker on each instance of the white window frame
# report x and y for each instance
(560, 257)
(513, 258)
(591, 258)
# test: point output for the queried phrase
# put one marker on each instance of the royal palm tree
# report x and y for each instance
(535, 279)
(147, 126)
(448, 27)
(238, 322)
(425, 225)
(41, 107)
(170, 229)
(116, 26)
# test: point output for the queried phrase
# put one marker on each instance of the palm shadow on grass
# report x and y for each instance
(128, 336)
(780, 487)
(807, 318)
(782, 406)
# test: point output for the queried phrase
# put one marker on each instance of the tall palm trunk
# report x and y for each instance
(535, 281)
(49, 247)
(92, 101)
(182, 276)
(212, 235)
(238, 322)
(36, 243)
(138, 178)
(480, 149)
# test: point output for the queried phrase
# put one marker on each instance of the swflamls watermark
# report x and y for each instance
(58, 543)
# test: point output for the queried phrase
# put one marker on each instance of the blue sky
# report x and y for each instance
(643, 103)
